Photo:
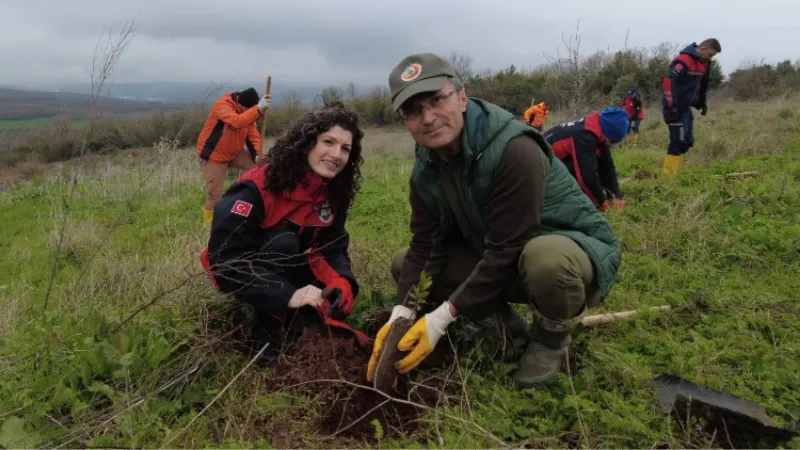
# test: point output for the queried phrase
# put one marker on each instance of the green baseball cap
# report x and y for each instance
(415, 74)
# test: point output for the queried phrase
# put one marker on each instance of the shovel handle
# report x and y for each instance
(611, 317)
(264, 123)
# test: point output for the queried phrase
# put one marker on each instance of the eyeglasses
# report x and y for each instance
(414, 112)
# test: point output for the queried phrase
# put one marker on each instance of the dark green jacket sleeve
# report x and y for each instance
(516, 203)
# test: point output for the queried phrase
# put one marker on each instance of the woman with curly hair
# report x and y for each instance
(278, 239)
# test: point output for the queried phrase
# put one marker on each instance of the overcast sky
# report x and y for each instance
(43, 43)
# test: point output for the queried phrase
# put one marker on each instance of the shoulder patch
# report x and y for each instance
(242, 208)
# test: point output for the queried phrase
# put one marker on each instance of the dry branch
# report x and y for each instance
(743, 174)
(103, 62)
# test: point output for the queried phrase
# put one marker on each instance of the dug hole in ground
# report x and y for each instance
(332, 368)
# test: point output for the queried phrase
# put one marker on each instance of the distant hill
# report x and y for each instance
(21, 105)
(74, 100)
(195, 93)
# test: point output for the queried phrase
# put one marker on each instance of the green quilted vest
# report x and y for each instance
(567, 210)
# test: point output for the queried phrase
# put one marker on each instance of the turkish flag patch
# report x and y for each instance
(242, 208)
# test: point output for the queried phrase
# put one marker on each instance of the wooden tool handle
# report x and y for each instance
(611, 317)
(264, 122)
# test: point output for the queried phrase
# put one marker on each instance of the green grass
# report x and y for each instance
(722, 252)
(25, 124)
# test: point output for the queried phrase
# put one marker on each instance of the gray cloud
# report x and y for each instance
(47, 42)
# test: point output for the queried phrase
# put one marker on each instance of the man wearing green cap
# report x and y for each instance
(496, 219)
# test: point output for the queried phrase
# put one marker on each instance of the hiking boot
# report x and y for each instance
(539, 363)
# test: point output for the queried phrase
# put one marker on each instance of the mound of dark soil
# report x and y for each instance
(333, 369)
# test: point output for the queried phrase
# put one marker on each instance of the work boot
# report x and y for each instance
(543, 357)
(671, 164)
(538, 364)
(207, 216)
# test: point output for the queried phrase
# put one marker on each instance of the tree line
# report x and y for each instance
(568, 81)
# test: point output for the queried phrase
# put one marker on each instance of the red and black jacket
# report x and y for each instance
(635, 109)
(686, 82)
(245, 220)
(581, 146)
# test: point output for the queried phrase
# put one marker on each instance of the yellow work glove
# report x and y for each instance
(397, 312)
(423, 336)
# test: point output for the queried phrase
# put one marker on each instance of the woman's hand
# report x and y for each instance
(308, 295)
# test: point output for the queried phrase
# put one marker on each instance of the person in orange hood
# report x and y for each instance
(229, 138)
(536, 114)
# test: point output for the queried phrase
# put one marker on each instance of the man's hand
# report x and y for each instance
(618, 203)
(265, 102)
(671, 115)
(397, 312)
(604, 206)
(423, 336)
(308, 295)
(703, 109)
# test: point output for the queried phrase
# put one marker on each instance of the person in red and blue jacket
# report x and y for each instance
(584, 146)
(632, 104)
(685, 87)
(278, 238)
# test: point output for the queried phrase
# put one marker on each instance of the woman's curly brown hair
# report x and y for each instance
(288, 157)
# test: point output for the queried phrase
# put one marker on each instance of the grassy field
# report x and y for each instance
(122, 351)
(26, 124)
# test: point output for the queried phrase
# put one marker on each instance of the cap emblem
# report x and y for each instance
(411, 72)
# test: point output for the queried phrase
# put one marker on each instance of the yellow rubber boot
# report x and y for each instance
(671, 164)
(207, 215)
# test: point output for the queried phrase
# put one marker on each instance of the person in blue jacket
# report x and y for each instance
(685, 87)
(584, 146)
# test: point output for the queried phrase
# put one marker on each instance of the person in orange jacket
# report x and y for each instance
(536, 114)
(229, 138)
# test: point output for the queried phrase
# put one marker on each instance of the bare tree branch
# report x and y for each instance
(103, 62)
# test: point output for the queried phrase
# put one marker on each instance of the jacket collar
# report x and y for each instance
(691, 50)
(310, 189)
(592, 124)
(483, 121)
